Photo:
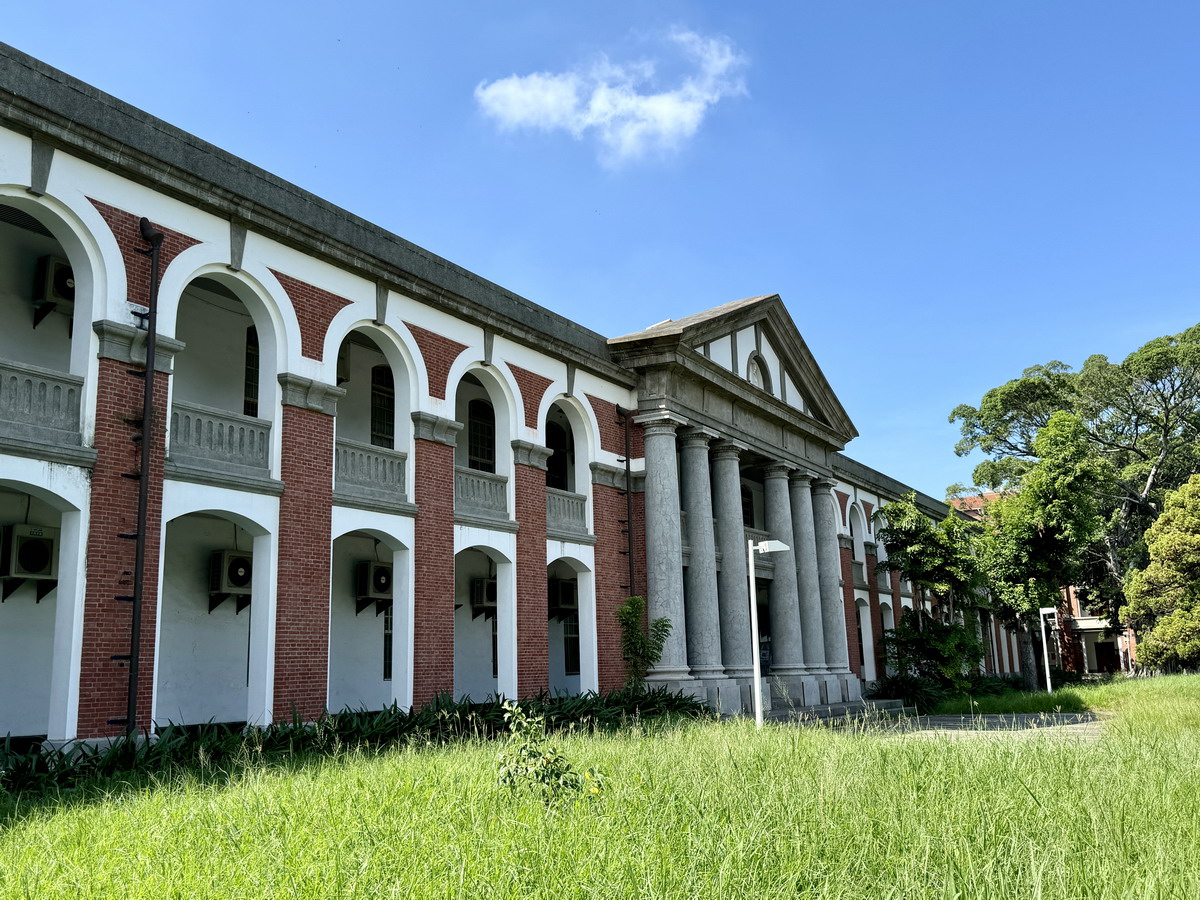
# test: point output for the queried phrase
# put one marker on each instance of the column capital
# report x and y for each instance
(822, 484)
(308, 394)
(696, 436)
(801, 477)
(660, 421)
(429, 427)
(727, 449)
(777, 469)
(529, 454)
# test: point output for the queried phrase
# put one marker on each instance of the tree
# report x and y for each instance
(642, 642)
(1141, 415)
(940, 558)
(1034, 538)
(1163, 599)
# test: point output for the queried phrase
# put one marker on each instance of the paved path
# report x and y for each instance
(1081, 726)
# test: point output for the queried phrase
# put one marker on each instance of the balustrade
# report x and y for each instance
(219, 440)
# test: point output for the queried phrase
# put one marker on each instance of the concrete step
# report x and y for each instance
(834, 712)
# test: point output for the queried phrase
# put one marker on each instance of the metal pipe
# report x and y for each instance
(626, 416)
(154, 239)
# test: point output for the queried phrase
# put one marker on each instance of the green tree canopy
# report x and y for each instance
(938, 557)
(1163, 599)
(1142, 416)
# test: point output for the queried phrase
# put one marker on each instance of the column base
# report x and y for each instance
(724, 695)
(795, 691)
(683, 684)
(831, 689)
(851, 687)
(746, 691)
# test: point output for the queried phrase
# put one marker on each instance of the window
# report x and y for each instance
(495, 653)
(558, 466)
(383, 407)
(387, 644)
(571, 644)
(250, 386)
(747, 506)
(757, 373)
(481, 436)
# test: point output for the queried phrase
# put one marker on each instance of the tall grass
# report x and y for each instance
(707, 810)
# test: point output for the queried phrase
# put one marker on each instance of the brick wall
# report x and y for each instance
(533, 675)
(876, 615)
(612, 572)
(439, 353)
(127, 230)
(315, 309)
(104, 682)
(612, 435)
(302, 601)
(533, 387)
(433, 564)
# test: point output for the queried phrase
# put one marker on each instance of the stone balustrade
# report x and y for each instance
(566, 513)
(367, 472)
(219, 440)
(480, 494)
(39, 404)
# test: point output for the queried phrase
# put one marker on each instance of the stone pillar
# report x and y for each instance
(664, 544)
(829, 568)
(812, 628)
(787, 647)
(733, 590)
(700, 577)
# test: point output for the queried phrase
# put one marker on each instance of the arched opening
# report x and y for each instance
(46, 306)
(866, 639)
(858, 531)
(484, 625)
(372, 421)
(483, 452)
(560, 440)
(224, 387)
(204, 650)
(566, 474)
(758, 373)
(562, 610)
(888, 621)
(30, 542)
(366, 640)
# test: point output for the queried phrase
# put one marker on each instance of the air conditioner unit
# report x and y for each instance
(54, 284)
(230, 572)
(30, 551)
(564, 596)
(483, 593)
(373, 581)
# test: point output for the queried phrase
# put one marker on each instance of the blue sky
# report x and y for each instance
(943, 192)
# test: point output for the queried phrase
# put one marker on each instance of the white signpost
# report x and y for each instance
(751, 549)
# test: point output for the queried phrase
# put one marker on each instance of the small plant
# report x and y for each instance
(641, 647)
(530, 762)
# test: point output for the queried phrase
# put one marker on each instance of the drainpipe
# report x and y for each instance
(625, 419)
(154, 239)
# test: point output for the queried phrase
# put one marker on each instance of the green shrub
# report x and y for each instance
(641, 646)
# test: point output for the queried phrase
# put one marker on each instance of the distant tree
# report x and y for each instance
(1141, 415)
(1163, 599)
(1034, 538)
(937, 557)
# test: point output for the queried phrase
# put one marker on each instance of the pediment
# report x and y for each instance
(755, 341)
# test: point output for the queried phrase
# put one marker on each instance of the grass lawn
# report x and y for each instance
(704, 810)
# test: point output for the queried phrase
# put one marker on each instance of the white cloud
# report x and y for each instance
(616, 103)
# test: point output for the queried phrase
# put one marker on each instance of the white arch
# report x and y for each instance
(506, 615)
(589, 662)
(858, 519)
(398, 348)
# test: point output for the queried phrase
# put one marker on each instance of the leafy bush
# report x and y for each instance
(914, 690)
(530, 762)
(945, 653)
(641, 647)
(221, 746)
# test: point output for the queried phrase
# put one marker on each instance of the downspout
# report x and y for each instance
(154, 239)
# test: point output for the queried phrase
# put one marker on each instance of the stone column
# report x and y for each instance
(829, 568)
(664, 544)
(733, 590)
(808, 580)
(700, 577)
(787, 649)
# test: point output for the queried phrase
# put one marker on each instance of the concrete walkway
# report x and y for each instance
(1079, 726)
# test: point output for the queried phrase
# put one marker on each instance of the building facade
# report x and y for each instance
(356, 474)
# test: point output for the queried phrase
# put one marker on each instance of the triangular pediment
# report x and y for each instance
(755, 341)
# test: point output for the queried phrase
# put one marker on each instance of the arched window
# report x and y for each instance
(747, 506)
(757, 372)
(481, 436)
(558, 467)
(383, 407)
(250, 382)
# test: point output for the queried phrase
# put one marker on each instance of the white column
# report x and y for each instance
(787, 649)
(829, 570)
(261, 687)
(664, 544)
(700, 577)
(807, 575)
(733, 590)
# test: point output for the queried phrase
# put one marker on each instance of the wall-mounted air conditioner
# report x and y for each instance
(373, 581)
(30, 551)
(230, 572)
(483, 593)
(53, 287)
